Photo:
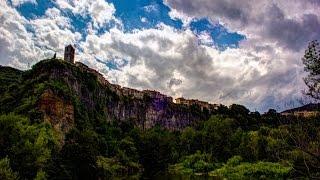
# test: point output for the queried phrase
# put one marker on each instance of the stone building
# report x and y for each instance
(182, 100)
(157, 95)
(201, 104)
(132, 92)
(69, 53)
(305, 114)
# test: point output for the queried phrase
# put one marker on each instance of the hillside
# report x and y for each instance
(307, 107)
(61, 92)
(62, 120)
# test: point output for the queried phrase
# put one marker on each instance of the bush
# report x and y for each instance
(29, 146)
(235, 169)
(6, 172)
(195, 163)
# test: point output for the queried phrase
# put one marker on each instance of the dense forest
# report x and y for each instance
(233, 143)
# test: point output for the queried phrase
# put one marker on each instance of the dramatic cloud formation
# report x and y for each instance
(245, 52)
(276, 32)
(289, 23)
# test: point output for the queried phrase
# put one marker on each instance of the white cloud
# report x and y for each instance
(205, 38)
(174, 14)
(20, 2)
(276, 34)
(289, 24)
(100, 11)
(53, 31)
(172, 62)
(143, 19)
(262, 73)
(150, 8)
(21, 48)
(16, 44)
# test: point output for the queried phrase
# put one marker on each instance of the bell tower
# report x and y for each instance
(69, 53)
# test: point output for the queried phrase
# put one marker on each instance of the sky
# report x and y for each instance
(221, 51)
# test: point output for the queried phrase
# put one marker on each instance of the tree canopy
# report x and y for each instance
(311, 61)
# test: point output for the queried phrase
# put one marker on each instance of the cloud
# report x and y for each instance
(20, 2)
(150, 8)
(172, 62)
(53, 31)
(289, 24)
(263, 72)
(24, 42)
(16, 45)
(276, 34)
(174, 14)
(289, 32)
(235, 12)
(174, 82)
(100, 11)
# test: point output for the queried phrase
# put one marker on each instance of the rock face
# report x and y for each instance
(103, 100)
(59, 113)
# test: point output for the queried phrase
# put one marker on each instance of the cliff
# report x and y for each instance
(65, 94)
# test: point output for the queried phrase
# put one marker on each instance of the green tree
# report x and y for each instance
(78, 156)
(196, 163)
(6, 172)
(217, 134)
(28, 146)
(156, 150)
(188, 140)
(236, 169)
(311, 61)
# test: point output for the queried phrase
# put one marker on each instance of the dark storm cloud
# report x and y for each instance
(174, 82)
(265, 17)
(291, 33)
(315, 2)
(234, 10)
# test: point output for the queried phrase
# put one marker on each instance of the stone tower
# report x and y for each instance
(69, 53)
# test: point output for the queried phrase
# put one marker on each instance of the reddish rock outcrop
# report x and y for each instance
(56, 111)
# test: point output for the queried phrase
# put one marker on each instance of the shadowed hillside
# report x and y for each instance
(62, 120)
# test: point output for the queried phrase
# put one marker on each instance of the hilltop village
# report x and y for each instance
(69, 56)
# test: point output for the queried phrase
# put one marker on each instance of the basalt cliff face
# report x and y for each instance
(64, 94)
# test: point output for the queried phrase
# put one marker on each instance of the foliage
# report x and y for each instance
(41, 175)
(217, 134)
(232, 143)
(6, 171)
(236, 169)
(111, 167)
(29, 147)
(311, 61)
(157, 149)
(195, 163)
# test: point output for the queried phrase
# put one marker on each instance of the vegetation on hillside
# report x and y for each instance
(234, 143)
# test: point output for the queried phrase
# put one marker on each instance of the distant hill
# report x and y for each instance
(308, 107)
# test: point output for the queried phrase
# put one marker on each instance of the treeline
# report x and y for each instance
(232, 144)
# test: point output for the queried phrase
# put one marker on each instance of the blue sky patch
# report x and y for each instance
(143, 14)
(78, 22)
(220, 36)
(31, 11)
(112, 63)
